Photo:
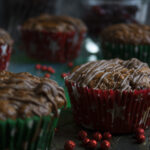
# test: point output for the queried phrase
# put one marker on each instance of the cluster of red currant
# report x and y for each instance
(91, 143)
(51, 70)
(45, 68)
(140, 135)
(104, 140)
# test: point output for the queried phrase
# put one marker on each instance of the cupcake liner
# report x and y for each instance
(54, 47)
(5, 53)
(125, 51)
(28, 134)
(109, 110)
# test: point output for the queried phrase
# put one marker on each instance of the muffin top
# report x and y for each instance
(127, 34)
(114, 74)
(5, 38)
(24, 95)
(54, 24)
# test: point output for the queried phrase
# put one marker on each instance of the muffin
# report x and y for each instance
(29, 111)
(111, 95)
(53, 38)
(126, 41)
(6, 43)
(98, 16)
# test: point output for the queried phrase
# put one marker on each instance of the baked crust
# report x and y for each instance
(51, 23)
(127, 34)
(24, 95)
(114, 74)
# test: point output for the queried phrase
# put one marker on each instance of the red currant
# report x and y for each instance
(85, 141)
(92, 144)
(47, 75)
(141, 138)
(105, 145)
(51, 70)
(140, 131)
(82, 134)
(70, 64)
(97, 136)
(44, 68)
(107, 136)
(63, 75)
(69, 145)
(38, 66)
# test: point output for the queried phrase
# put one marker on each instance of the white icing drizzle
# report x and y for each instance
(103, 76)
(104, 70)
(79, 69)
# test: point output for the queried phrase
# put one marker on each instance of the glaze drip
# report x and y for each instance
(24, 95)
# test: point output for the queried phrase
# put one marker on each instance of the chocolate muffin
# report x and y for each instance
(6, 43)
(127, 34)
(54, 24)
(126, 41)
(111, 95)
(113, 74)
(60, 37)
(29, 105)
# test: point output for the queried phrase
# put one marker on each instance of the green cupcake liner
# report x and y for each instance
(124, 51)
(34, 133)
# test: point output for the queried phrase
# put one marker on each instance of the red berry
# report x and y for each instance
(51, 70)
(107, 136)
(70, 64)
(97, 136)
(141, 138)
(47, 75)
(44, 68)
(92, 144)
(105, 145)
(63, 75)
(82, 134)
(38, 66)
(85, 141)
(140, 131)
(69, 145)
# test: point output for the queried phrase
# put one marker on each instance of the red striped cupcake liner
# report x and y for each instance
(5, 54)
(109, 110)
(53, 47)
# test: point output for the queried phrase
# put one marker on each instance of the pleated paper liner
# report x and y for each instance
(5, 54)
(29, 134)
(125, 51)
(108, 110)
(53, 47)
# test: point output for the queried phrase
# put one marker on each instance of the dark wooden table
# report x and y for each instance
(67, 130)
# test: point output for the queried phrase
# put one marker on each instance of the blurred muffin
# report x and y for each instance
(29, 110)
(126, 41)
(53, 38)
(6, 43)
(111, 95)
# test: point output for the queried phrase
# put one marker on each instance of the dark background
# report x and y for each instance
(14, 12)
